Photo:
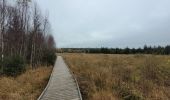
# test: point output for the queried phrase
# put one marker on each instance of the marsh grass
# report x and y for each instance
(27, 86)
(128, 77)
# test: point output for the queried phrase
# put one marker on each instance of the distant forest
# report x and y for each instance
(145, 50)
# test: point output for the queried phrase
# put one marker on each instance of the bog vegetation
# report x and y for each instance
(26, 45)
(117, 77)
(25, 37)
(27, 86)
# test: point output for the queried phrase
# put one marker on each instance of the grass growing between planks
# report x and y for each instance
(27, 86)
(117, 77)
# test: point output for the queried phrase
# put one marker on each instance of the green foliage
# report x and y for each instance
(167, 50)
(145, 50)
(13, 66)
(1, 69)
(49, 57)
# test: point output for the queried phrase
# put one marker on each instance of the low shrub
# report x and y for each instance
(126, 91)
(1, 69)
(13, 66)
(49, 58)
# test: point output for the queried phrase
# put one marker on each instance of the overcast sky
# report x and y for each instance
(109, 23)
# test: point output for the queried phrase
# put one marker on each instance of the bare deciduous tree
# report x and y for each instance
(24, 31)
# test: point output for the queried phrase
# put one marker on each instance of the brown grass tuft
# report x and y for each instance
(128, 77)
(27, 86)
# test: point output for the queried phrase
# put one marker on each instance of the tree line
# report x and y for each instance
(24, 35)
(160, 50)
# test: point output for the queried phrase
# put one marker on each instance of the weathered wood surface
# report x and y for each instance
(62, 85)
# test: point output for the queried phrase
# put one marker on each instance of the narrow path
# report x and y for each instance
(62, 85)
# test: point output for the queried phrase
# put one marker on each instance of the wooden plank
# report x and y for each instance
(62, 84)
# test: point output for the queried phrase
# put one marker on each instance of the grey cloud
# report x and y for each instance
(109, 23)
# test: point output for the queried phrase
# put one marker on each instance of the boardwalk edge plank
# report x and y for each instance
(74, 80)
(51, 77)
(48, 84)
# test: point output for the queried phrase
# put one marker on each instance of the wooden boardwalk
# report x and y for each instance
(62, 85)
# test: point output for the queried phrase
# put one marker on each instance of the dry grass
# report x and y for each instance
(128, 77)
(27, 86)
